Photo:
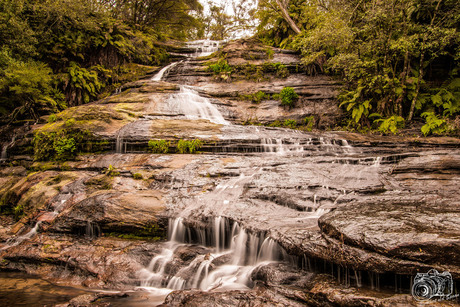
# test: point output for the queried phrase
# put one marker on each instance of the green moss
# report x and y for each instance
(8, 202)
(52, 118)
(149, 232)
(99, 183)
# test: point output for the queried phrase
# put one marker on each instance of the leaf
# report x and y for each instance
(437, 99)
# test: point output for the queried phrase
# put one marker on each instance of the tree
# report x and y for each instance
(395, 56)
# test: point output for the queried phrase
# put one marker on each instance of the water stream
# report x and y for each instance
(228, 255)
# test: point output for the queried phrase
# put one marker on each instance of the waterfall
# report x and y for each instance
(193, 106)
(280, 147)
(4, 153)
(159, 75)
(235, 253)
(204, 47)
(18, 240)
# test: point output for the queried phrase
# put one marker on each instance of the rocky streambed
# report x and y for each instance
(262, 216)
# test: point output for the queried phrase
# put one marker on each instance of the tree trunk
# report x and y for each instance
(421, 72)
(288, 18)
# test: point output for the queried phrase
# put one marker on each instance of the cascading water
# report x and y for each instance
(204, 47)
(4, 153)
(191, 105)
(232, 254)
(159, 75)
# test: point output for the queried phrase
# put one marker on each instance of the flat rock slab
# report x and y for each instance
(422, 232)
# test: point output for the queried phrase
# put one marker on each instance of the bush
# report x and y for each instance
(54, 146)
(309, 121)
(138, 176)
(221, 69)
(288, 97)
(112, 171)
(434, 125)
(159, 146)
(189, 146)
(290, 123)
(391, 124)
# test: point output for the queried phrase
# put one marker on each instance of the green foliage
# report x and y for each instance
(221, 69)
(308, 122)
(53, 146)
(85, 81)
(62, 142)
(288, 97)
(52, 118)
(112, 171)
(64, 148)
(159, 146)
(138, 176)
(392, 124)
(290, 123)
(59, 53)
(26, 90)
(390, 54)
(434, 125)
(185, 146)
(257, 97)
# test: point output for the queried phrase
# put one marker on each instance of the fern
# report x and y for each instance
(434, 125)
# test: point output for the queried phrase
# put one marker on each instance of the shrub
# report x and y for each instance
(391, 124)
(309, 121)
(54, 146)
(255, 97)
(138, 176)
(434, 125)
(159, 146)
(221, 69)
(290, 123)
(184, 146)
(288, 97)
(112, 171)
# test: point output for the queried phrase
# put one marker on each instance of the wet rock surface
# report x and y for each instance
(372, 211)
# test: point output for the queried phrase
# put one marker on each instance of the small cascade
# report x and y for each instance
(189, 103)
(281, 147)
(92, 230)
(159, 75)
(18, 240)
(4, 153)
(234, 253)
(204, 47)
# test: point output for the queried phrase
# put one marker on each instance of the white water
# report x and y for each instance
(189, 103)
(159, 75)
(240, 252)
(204, 47)
(18, 240)
(4, 154)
